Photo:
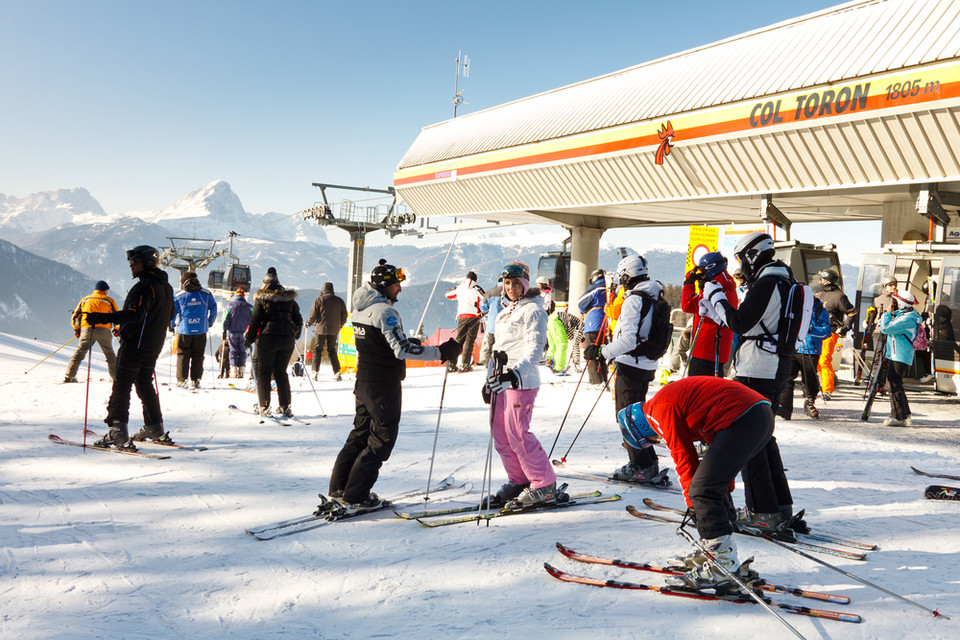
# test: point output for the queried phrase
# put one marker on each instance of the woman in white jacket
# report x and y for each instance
(521, 331)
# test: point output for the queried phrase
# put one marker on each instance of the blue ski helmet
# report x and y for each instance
(712, 264)
(635, 428)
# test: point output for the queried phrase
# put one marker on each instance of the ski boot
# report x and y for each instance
(285, 412)
(546, 495)
(649, 475)
(709, 576)
(71, 379)
(796, 523)
(774, 525)
(505, 494)
(116, 437)
(338, 377)
(811, 410)
(155, 433)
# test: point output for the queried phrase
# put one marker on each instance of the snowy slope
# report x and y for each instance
(98, 545)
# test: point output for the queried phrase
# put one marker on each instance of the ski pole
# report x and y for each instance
(747, 590)
(693, 343)
(605, 385)
(496, 364)
(50, 354)
(936, 613)
(436, 435)
(86, 401)
(310, 380)
(577, 388)
(716, 354)
(435, 283)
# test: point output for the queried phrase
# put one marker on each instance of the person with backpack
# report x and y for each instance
(762, 364)
(842, 313)
(805, 363)
(713, 340)
(901, 324)
(638, 343)
(591, 305)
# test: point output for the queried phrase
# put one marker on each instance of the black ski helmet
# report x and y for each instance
(145, 254)
(827, 276)
(597, 274)
(384, 275)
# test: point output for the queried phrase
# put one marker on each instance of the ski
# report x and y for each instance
(877, 377)
(263, 419)
(816, 548)
(864, 546)
(263, 531)
(468, 509)
(700, 595)
(58, 440)
(600, 477)
(93, 434)
(938, 492)
(935, 475)
(490, 515)
(761, 585)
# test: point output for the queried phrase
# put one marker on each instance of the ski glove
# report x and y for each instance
(415, 341)
(693, 275)
(76, 332)
(96, 317)
(713, 291)
(500, 382)
(449, 350)
(592, 352)
(707, 310)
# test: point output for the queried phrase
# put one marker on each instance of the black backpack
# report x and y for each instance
(661, 329)
(796, 311)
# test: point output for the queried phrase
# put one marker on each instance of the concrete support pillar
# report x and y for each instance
(584, 257)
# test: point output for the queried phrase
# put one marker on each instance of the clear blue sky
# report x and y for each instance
(141, 102)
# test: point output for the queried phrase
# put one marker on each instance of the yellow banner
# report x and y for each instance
(702, 240)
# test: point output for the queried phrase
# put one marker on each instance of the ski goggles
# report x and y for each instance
(514, 271)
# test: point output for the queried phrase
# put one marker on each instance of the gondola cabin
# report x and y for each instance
(236, 276)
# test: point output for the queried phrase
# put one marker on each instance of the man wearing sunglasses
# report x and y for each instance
(382, 349)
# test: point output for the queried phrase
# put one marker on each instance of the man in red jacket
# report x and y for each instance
(736, 422)
(711, 350)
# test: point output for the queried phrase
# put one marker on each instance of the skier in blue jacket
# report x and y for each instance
(900, 323)
(195, 310)
(805, 363)
(591, 305)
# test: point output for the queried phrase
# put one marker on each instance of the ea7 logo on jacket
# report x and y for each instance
(359, 330)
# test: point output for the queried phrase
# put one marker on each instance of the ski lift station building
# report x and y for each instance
(850, 113)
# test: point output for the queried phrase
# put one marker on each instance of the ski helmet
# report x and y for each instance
(597, 274)
(904, 299)
(635, 427)
(827, 276)
(630, 268)
(712, 264)
(384, 275)
(753, 251)
(543, 282)
(145, 254)
(888, 280)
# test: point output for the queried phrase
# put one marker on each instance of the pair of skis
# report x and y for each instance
(878, 372)
(142, 454)
(600, 477)
(282, 421)
(428, 519)
(938, 491)
(740, 598)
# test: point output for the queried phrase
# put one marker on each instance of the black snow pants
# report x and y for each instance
(371, 441)
(631, 386)
(134, 369)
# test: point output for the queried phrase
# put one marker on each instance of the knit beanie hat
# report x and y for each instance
(102, 286)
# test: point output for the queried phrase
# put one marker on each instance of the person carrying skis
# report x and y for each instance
(711, 351)
(382, 349)
(329, 313)
(591, 305)
(88, 334)
(842, 313)
(144, 319)
(900, 323)
(635, 370)
(760, 367)
(275, 324)
(805, 363)
(234, 327)
(195, 310)
(737, 423)
(521, 334)
(468, 295)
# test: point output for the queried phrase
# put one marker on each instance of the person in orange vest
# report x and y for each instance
(88, 333)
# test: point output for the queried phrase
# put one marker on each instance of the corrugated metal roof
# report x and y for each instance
(831, 46)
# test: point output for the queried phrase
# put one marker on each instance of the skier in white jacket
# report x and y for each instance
(521, 332)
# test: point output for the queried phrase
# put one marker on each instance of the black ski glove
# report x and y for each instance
(592, 352)
(449, 350)
(96, 317)
(415, 341)
(76, 332)
(500, 382)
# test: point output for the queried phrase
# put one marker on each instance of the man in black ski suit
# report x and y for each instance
(382, 348)
(760, 367)
(144, 319)
(841, 313)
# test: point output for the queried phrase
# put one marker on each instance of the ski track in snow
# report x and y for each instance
(96, 545)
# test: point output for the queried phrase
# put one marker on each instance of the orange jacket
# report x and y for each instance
(97, 301)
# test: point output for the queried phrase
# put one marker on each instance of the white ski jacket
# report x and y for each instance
(631, 328)
(521, 333)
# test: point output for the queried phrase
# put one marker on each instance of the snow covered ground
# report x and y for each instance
(99, 545)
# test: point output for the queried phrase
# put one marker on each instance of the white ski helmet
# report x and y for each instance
(753, 251)
(631, 267)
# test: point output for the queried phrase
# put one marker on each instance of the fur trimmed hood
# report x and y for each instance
(274, 295)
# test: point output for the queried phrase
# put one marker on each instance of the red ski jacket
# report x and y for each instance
(706, 345)
(695, 409)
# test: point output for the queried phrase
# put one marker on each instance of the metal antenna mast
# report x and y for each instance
(463, 62)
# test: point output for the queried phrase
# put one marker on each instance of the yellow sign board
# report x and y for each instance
(702, 240)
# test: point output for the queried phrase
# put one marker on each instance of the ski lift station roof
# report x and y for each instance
(834, 115)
